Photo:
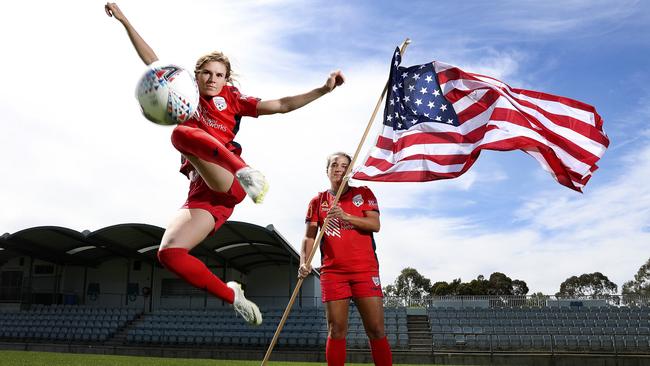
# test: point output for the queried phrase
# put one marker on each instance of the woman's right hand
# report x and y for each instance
(304, 270)
(112, 10)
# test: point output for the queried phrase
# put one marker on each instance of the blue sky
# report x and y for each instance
(84, 157)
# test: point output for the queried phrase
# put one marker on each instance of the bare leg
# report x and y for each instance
(372, 314)
(371, 310)
(216, 177)
(337, 325)
(337, 318)
(187, 229)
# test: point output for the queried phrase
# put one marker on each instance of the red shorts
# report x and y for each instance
(219, 204)
(347, 286)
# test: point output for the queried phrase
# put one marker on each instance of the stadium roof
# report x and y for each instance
(238, 245)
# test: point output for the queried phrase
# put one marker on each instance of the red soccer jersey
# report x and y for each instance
(220, 116)
(344, 249)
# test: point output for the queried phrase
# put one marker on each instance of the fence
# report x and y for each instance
(495, 301)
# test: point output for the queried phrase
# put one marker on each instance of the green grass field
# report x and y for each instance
(22, 358)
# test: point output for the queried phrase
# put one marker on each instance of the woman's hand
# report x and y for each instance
(335, 79)
(337, 212)
(304, 270)
(112, 10)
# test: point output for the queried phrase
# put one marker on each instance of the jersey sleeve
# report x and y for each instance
(245, 105)
(312, 211)
(369, 200)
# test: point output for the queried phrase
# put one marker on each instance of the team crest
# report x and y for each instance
(357, 200)
(375, 280)
(220, 103)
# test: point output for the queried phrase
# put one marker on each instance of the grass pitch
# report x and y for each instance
(25, 358)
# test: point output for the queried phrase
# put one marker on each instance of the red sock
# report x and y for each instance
(381, 353)
(194, 272)
(196, 142)
(335, 352)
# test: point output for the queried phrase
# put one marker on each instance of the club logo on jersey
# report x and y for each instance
(220, 103)
(375, 280)
(324, 205)
(357, 200)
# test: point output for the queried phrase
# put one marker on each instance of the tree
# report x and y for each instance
(588, 284)
(410, 284)
(442, 288)
(390, 290)
(640, 285)
(519, 287)
(498, 284)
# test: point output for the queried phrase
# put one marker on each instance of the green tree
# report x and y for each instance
(442, 288)
(390, 290)
(500, 284)
(478, 286)
(537, 299)
(640, 285)
(588, 284)
(410, 284)
(519, 287)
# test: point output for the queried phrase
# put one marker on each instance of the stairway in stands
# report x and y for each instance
(419, 332)
(119, 338)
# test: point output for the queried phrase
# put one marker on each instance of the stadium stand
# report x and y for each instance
(305, 328)
(104, 291)
(65, 323)
(549, 329)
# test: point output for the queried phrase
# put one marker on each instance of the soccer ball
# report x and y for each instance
(167, 94)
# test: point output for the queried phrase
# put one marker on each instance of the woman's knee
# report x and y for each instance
(337, 329)
(375, 330)
(180, 137)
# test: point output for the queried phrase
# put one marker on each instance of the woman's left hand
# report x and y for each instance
(335, 79)
(337, 212)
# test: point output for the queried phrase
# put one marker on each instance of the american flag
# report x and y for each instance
(438, 118)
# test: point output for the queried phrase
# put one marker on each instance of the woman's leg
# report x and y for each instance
(371, 310)
(187, 230)
(215, 177)
(216, 164)
(337, 327)
(197, 142)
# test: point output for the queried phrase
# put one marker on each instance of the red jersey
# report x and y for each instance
(345, 249)
(220, 117)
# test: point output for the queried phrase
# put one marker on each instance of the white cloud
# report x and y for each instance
(556, 237)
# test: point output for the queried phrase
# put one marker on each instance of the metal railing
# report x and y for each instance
(529, 301)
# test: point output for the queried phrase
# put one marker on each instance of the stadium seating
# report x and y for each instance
(305, 328)
(64, 323)
(507, 329)
(558, 329)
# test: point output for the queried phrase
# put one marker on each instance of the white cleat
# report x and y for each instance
(246, 308)
(253, 182)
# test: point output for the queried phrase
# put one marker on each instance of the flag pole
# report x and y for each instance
(296, 290)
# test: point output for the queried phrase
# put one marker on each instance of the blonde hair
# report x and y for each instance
(215, 56)
(333, 155)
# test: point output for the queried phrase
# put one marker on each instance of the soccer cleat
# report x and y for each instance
(246, 308)
(253, 183)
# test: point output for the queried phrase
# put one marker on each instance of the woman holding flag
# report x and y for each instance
(349, 263)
